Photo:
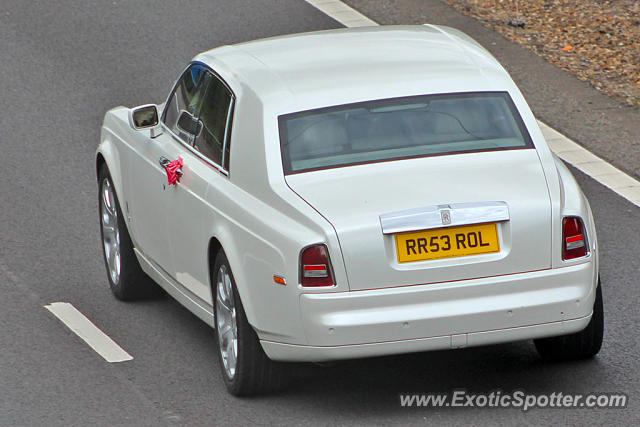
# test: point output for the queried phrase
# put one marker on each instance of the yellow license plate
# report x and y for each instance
(447, 242)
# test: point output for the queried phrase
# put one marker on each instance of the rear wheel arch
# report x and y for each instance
(246, 369)
(212, 251)
(216, 246)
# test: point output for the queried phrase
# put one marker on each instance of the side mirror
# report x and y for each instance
(189, 124)
(144, 117)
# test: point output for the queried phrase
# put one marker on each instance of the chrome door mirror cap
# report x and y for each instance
(143, 117)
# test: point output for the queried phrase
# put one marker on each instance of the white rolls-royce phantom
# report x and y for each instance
(345, 194)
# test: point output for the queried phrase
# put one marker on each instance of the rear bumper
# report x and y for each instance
(306, 353)
(344, 325)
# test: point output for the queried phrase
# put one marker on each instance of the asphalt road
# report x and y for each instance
(63, 64)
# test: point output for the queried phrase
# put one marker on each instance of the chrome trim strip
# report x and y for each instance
(220, 168)
(441, 216)
(173, 88)
(184, 296)
(226, 130)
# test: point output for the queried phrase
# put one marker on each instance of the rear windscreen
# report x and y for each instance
(400, 128)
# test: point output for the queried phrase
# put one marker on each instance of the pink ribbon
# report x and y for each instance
(174, 171)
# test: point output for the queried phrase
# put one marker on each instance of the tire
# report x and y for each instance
(127, 280)
(580, 345)
(246, 369)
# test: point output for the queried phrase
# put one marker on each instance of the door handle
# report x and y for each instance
(164, 162)
(172, 168)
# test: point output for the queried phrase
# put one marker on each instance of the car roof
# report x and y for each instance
(333, 67)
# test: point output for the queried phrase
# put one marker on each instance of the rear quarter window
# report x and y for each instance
(400, 128)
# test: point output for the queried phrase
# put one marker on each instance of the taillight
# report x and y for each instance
(574, 240)
(315, 269)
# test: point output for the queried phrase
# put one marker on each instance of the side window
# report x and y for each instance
(214, 115)
(186, 96)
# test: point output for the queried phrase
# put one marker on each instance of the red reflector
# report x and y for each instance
(315, 267)
(574, 241)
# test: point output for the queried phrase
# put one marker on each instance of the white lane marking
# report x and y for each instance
(90, 333)
(342, 13)
(568, 150)
(592, 165)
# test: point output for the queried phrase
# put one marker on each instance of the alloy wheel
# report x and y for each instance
(226, 326)
(110, 231)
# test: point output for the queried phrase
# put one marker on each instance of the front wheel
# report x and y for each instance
(580, 345)
(126, 278)
(246, 369)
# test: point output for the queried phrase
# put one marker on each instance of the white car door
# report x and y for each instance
(151, 206)
(205, 165)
